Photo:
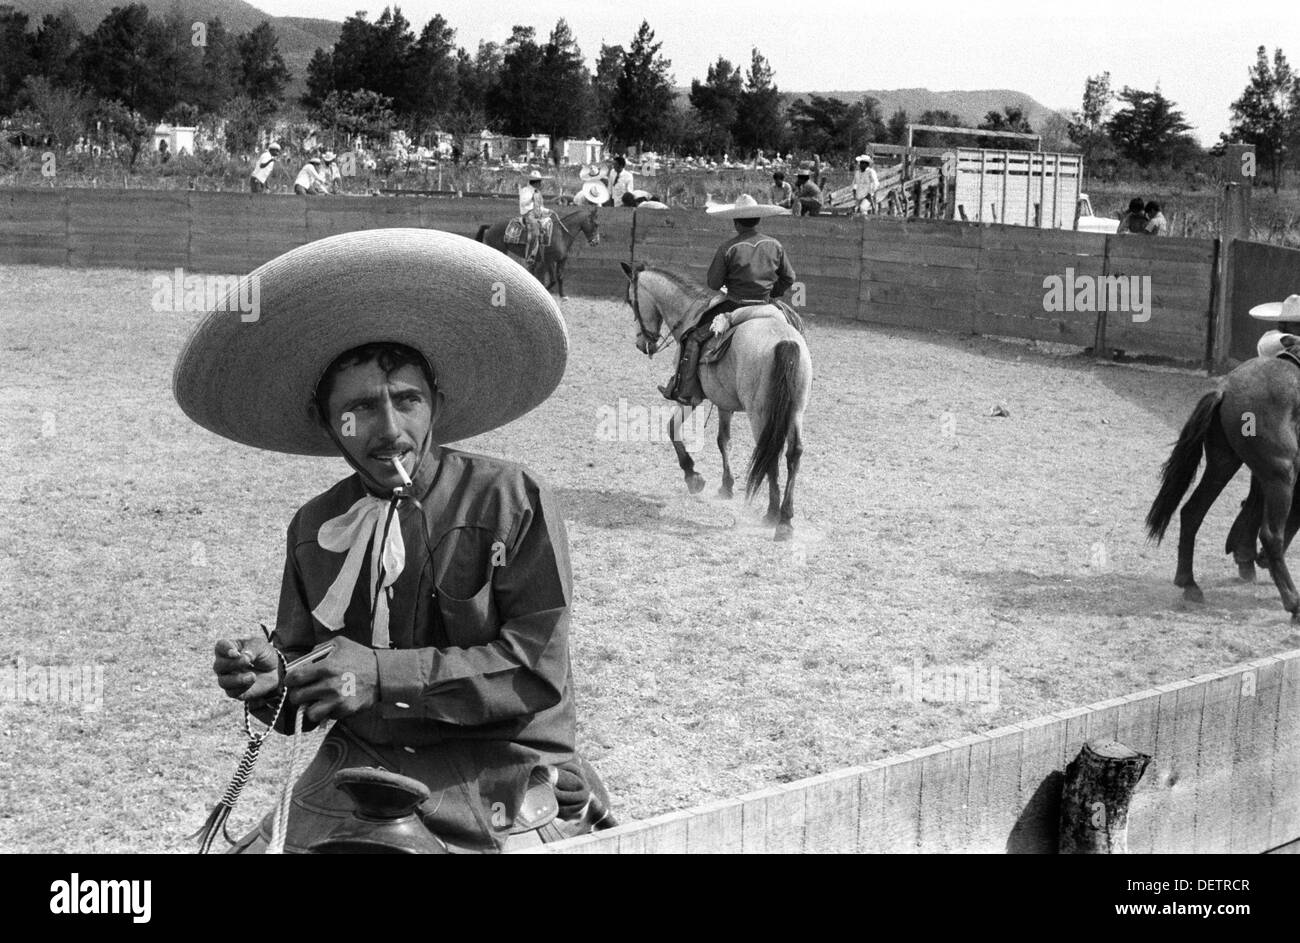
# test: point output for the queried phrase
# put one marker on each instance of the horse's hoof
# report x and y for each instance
(772, 518)
(695, 484)
(725, 492)
(783, 533)
(1193, 593)
(1246, 572)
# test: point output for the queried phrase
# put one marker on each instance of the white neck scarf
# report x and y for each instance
(362, 524)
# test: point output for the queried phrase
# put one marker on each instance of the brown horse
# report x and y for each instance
(766, 373)
(1254, 418)
(548, 266)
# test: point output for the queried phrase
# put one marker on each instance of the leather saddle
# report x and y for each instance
(384, 819)
(517, 231)
(716, 347)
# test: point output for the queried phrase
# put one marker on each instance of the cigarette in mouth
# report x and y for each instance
(401, 470)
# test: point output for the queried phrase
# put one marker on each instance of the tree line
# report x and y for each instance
(135, 67)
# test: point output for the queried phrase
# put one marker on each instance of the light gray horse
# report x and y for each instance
(767, 373)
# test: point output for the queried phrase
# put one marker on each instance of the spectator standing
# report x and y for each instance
(621, 182)
(865, 184)
(262, 169)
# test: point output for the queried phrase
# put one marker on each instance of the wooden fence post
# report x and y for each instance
(1234, 223)
(1099, 785)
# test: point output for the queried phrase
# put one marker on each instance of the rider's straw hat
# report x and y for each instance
(593, 191)
(745, 207)
(1288, 310)
(252, 380)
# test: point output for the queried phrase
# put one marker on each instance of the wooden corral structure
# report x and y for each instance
(976, 184)
(1224, 777)
(1021, 188)
(1225, 747)
(912, 273)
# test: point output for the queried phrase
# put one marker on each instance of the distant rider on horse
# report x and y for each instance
(534, 215)
(754, 270)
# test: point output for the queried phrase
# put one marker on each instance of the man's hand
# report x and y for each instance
(720, 324)
(345, 682)
(248, 669)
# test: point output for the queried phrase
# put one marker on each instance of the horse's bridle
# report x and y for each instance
(591, 239)
(644, 333)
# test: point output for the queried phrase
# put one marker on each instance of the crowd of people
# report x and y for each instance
(1144, 218)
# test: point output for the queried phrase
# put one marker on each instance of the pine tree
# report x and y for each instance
(644, 94)
(716, 101)
(263, 74)
(1266, 113)
(759, 124)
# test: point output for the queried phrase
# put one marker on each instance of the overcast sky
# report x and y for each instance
(1197, 52)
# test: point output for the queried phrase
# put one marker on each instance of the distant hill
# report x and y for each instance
(299, 36)
(971, 106)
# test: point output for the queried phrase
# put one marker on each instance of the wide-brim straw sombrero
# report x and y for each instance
(494, 337)
(1288, 310)
(595, 192)
(745, 207)
(589, 173)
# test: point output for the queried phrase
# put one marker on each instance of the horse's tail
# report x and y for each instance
(481, 230)
(1180, 468)
(781, 405)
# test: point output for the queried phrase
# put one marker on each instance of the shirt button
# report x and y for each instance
(403, 705)
(409, 749)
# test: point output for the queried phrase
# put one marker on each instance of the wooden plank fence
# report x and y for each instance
(1224, 777)
(921, 274)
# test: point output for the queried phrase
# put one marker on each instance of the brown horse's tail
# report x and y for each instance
(481, 230)
(781, 405)
(1180, 468)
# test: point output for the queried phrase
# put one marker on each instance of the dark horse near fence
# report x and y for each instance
(1253, 418)
(548, 267)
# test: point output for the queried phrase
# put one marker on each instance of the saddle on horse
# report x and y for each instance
(701, 346)
(356, 796)
(532, 231)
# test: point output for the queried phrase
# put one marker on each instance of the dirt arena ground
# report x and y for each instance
(709, 660)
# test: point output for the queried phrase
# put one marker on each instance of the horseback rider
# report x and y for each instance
(440, 578)
(754, 270)
(534, 215)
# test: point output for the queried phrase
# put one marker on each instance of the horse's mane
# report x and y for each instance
(691, 287)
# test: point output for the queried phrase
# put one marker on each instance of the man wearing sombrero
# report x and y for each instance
(1282, 338)
(440, 578)
(534, 215)
(592, 190)
(753, 268)
(865, 184)
(807, 194)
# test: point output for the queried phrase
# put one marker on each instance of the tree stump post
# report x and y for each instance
(1099, 785)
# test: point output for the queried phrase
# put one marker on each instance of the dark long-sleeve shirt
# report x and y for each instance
(752, 266)
(479, 634)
